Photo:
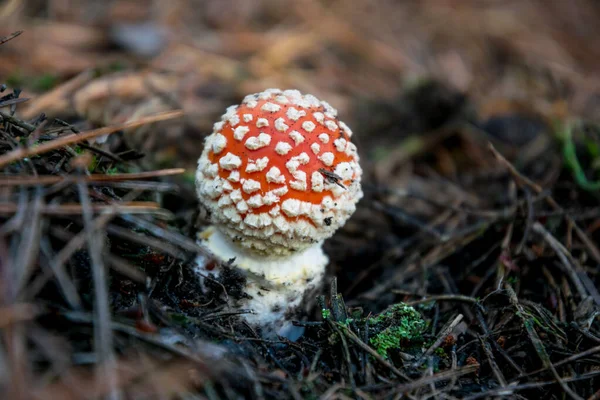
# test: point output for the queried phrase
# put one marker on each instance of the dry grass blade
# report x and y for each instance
(64, 281)
(30, 240)
(21, 153)
(17, 180)
(564, 255)
(103, 337)
(435, 378)
(441, 336)
(126, 269)
(439, 298)
(347, 357)
(59, 260)
(16, 121)
(133, 207)
(538, 344)
(530, 385)
(350, 335)
(568, 360)
(10, 102)
(16, 313)
(10, 37)
(158, 244)
(58, 97)
(492, 362)
(522, 180)
(166, 234)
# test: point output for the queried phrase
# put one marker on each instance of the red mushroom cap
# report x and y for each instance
(279, 172)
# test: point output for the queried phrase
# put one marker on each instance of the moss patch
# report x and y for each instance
(396, 327)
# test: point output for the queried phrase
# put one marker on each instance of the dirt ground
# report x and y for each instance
(469, 270)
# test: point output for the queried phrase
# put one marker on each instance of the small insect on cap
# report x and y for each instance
(279, 172)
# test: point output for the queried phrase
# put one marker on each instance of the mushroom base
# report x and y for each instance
(280, 288)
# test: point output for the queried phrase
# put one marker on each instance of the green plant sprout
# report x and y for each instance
(570, 155)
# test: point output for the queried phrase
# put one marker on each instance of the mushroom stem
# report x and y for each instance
(277, 286)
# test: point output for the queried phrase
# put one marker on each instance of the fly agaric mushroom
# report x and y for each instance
(278, 175)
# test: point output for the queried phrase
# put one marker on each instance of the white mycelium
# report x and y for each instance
(276, 188)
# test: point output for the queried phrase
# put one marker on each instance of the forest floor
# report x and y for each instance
(469, 270)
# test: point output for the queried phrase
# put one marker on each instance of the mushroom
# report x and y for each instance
(278, 175)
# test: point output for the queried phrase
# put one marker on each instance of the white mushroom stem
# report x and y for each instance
(277, 286)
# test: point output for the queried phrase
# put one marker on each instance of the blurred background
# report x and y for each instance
(109, 61)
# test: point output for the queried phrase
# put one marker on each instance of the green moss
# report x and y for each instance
(78, 149)
(44, 82)
(116, 66)
(389, 338)
(179, 318)
(94, 164)
(24, 141)
(113, 171)
(15, 80)
(396, 312)
(325, 313)
(189, 177)
(395, 327)
(40, 83)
